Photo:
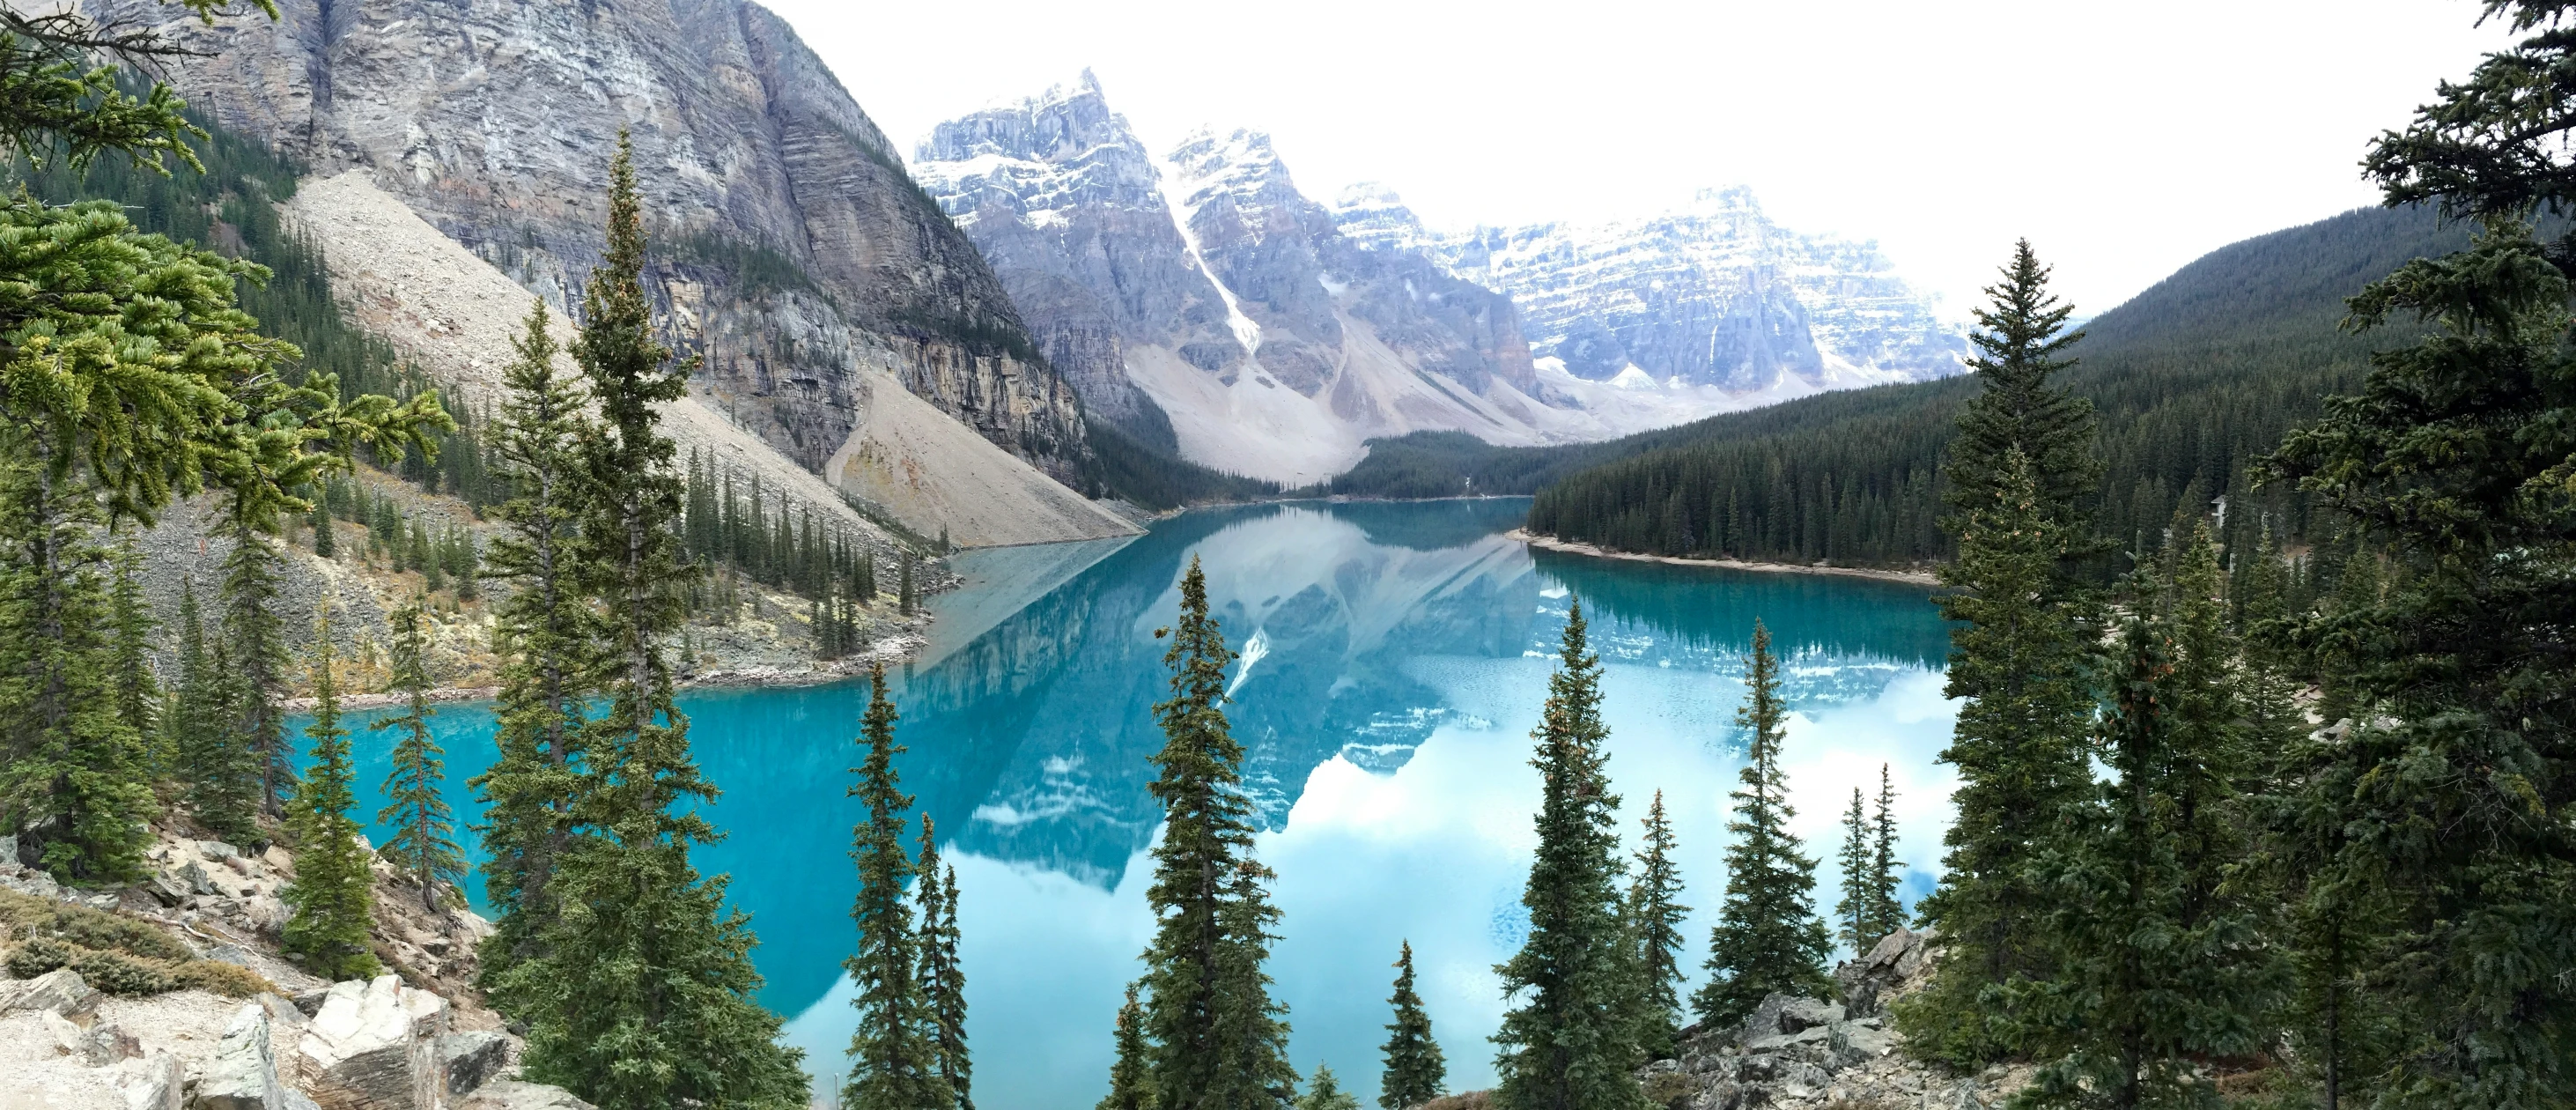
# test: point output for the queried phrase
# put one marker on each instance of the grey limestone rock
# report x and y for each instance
(156, 1082)
(792, 248)
(60, 992)
(242, 1074)
(374, 1046)
(472, 1059)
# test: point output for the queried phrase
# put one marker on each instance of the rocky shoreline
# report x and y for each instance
(1909, 577)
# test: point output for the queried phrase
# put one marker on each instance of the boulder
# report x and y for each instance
(216, 849)
(59, 991)
(278, 861)
(471, 1059)
(95, 1047)
(1868, 982)
(1782, 1014)
(242, 1074)
(198, 879)
(1854, 1043)
(374, 1046)
(511, 1094)
(156, 1082)
(168, 889)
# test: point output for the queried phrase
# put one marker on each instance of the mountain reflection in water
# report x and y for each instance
(1394, 656)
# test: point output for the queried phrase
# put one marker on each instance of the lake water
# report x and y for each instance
(1394, 660)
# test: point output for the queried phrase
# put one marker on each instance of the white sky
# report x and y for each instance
(2123, 139)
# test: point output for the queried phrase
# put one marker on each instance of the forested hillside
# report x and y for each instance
(2193, 378)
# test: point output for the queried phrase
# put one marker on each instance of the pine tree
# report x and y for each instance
(2153, 975)
(2019, 659)
(904, 598)
(74, 776)
(333, 887)
(894, 1054)
(2021, 338)
(2455, 459)
(324, 543)
(257, 650)
(1886, 914)
(1217, 1040)
(1131, 1072)
(423, 845)
(218, 773)
(1415, 1072)
(1767, 937)
(1251, 1039)
(138, 691)
(639, 994)
(943, 980)
(1325, 1092)
(1852, 914)
(1654, 914)
(549, 668)
(1569, 1042)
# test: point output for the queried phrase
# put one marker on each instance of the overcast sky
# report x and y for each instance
(2123, 139)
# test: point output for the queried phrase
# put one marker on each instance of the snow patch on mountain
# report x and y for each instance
(1200, 300)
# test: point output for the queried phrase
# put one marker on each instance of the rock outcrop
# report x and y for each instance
(794, 253)
(1205, 304)
(1812, 1052)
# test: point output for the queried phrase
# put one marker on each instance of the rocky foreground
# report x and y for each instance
(1843, 1054)
(169, 995)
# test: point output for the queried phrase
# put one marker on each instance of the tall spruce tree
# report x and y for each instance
(943, 980)
(2457, 457)
(2021, 479)
(254, 640)
(550, 664)
(1852, 916)
(423, 846)
(1218, 1043)
(1768, 937)
(639, 991)
(2152, 975)
(2020, 660)
(333, 887)
(138, 690)
(1131, 1069)
(1654, 916)
(894, 1053)
(218, 778)
(1415, 1071)
(74, 773)
(2021, 341)
(1569, 1041)
(1886, 913)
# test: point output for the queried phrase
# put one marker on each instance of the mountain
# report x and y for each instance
(793, 254)
(2196, 378)
(1715, 294)
(1201, 302)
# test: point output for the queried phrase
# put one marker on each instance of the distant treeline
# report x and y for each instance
(2194, 379)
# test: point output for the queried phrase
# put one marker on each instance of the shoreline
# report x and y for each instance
(1909, 577)
(747, 678)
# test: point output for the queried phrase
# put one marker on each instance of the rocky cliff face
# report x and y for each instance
(1204, 303)
(1713, 295)
(792, 246)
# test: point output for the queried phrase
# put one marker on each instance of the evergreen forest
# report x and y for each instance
(2261, 595)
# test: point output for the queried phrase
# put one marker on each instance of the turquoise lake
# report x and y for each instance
(1394, 657)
